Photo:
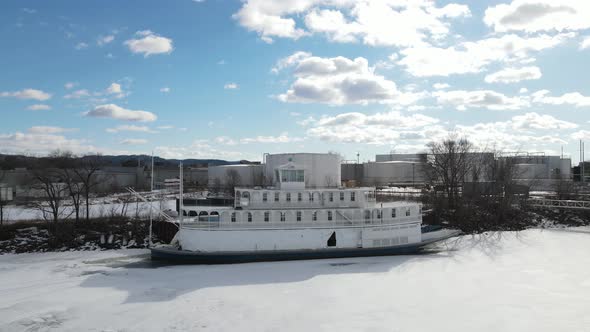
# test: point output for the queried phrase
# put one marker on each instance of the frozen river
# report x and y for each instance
(535, 280)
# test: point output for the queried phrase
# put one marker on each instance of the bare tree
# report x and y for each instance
(2, 198)
(86, 173)
(50, 183)
(449, 165)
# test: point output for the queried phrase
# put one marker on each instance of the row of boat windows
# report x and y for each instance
(314, 215)
(310, 197)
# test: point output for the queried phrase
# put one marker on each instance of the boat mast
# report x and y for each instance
(181, 212)
(151, 192)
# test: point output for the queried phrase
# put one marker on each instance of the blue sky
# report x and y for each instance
(236, 79)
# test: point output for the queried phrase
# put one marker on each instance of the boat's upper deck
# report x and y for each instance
(272, 198)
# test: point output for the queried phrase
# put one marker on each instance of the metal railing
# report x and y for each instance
(559, 203)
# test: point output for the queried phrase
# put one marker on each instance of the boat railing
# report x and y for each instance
(297, 224)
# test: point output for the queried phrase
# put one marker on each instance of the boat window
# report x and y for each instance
(288, 197)
(408, 212)
(184, 213)
(203, 216)
(314, 216)
(298, 215)
(264, 197)
(249, 217)
(331, 197)
(290, 175)
(352, 196)
(378, 214)
(299, 197)
(329, 215)
(266, 216)
(233, 217)
(192, 213)
(282, 216)
(214, 216)
(342, 195)
(311, 197)
(367, 215)
(392, 213)
(276, 197)
(332, 240)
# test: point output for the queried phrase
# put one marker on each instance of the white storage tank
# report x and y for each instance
(243, 175)
(321, 169)
(393, 172)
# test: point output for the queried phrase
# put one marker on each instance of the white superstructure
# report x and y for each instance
(296, 214)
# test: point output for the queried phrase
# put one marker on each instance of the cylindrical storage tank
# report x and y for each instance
(240, 175)
(566, 168)
(321, 169)
(393, 172)
(530, 171)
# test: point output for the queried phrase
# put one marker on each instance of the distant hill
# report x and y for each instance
(20, 161)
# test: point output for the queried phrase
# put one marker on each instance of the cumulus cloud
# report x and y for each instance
(70, 85)
(488, 99)
(78, 94)
(165, 89)
(39, 142)
(513, 75)
(201, 149)
(351, 21)
(116, 90)
(537, 121)
(81, 46)
(379, 128)
(39, 107)
(103, 40)
(473, 57)
(133, 141)
(147, 43)
(441, 86)
(116, 112)
(585, 43)
(539, 15)
(571, 98)
(27, 94)
(583, 135)
(49, 130)
(339, 81)
(230, 86)
(133, 128)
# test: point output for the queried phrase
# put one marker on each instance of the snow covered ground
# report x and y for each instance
(535, 280)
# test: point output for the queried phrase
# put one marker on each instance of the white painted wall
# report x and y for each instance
(321, 169)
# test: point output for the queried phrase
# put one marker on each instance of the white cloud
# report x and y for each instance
(282, 138)
(585, 43)
(537, 121)
(379, 128)
(351, 21)
(78, 94)
(43, 143)
(539, 15)
(165, 89)
(523, 90)
(583, 135)
(148, 43)
(201, 149)
(39, 107)
(339, 81)
(513, 75)
(441, 86)
(27, 94)
(49, 130)
(488, 99)
(116, 112)
(133, 141)
(230, 86)
(133, 128)
(81, 46)
(70, 85)
(473, 57)
(572, 98)
(165, 127)
(103, 40)
(116, 90)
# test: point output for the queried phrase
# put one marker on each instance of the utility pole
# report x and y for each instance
(151, 193)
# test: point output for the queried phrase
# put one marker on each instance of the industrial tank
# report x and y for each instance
(393, 172)
(248, 175)
(321, 169)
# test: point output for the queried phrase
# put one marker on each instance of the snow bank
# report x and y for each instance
(529, 281)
